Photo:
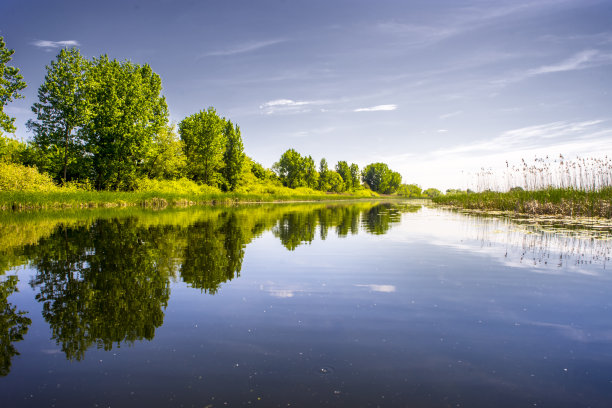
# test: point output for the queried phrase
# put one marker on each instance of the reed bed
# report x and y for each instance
(580, 187)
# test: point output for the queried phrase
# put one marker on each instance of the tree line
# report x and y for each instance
(104, 124)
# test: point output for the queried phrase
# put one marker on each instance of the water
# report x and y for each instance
(303, 305)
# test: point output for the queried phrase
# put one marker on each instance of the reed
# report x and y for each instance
(581, 187)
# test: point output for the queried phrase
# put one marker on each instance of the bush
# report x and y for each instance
(17, 177)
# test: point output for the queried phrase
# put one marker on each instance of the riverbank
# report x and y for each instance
(32, 200)
(552, 201)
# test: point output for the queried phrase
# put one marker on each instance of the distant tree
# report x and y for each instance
(324, 184)
(63, 108)
(290, 169)
(380, 178)
(310, 172)
(336, 183)
(11, 82)
(204, 140)
(165, 159)
(129, 110)
(432, 192)
(233, 157)
(409, 191)
(343, 169)
(355, 176)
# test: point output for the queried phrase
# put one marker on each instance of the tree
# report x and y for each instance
(343, 169)
(233, 157)
(290, 169)
(409, 191)
(310, 171)
(335, 181)
(432, 192)
(128, 111)
(165, 158)
(11, 82)
(355, 176)
(203, 136)
(324, 184)
(380, 178)
(63, 109)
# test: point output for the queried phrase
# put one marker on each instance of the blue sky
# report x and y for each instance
(436, 89)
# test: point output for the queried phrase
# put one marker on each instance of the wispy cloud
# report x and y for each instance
(450, 115)
(243, 48)
(379, 288)
(582, 60)
(377, 108)
(51, 45)
(288, 106)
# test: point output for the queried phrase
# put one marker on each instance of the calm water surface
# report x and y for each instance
(356, 305)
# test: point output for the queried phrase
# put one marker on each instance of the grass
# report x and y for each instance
(548, 201)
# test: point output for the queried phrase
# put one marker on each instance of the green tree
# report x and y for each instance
(11, 82)
(290, 169)
(335, 182)
(432, 192)
(380, 178)
(310, 171)
(204, 141)
(409, 191)
(343, 169)
(355, 176)
(233, 157)
(165, 159)
(324, 175)
(63, 108)
(128, 110)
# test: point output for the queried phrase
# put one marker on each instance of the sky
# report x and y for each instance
(436, 89)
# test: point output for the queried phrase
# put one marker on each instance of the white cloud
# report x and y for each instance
(450, 115)
(50, 45)
(243, 48)
(579, 61)
(377, 108)
(288, 106)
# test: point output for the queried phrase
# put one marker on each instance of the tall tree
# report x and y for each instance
(355, 176)
(165, 159)
(381, 179)
(11, 82)
(310, 172)
(63, 109)
(204, 141)
(129, 110)
(233, 157)
(324, 184)
(290, 169)
(343, 169)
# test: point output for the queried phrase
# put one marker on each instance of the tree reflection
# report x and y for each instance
(14, 324)
(101, 285)
(105, 282)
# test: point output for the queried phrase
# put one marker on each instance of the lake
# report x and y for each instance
(361, 304)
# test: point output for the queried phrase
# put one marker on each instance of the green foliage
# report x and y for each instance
(432, 192)
(129, 110)
(381, 179)
(291, 169)
(233, 157)
(311, 176)
(355, 176)
(165, 159)
(63, 109)
(204, 142)
(324, 175)
(11, 150)
(11, 82)
(343, 169)
(335, 182)
(409, 191)
(17, 177)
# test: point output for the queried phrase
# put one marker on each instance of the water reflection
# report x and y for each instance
(105, 281)
(14, 325)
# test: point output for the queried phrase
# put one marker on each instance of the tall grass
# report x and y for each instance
(578, 187)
